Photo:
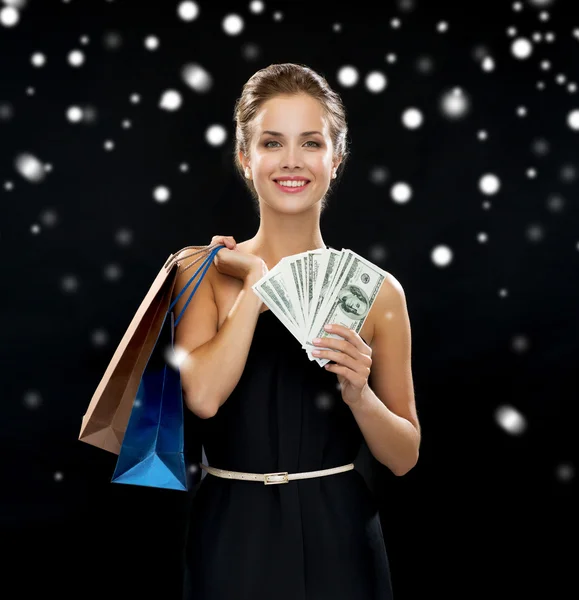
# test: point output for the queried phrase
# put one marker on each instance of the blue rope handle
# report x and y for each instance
(207, 262)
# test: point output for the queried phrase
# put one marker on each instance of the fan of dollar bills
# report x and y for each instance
(308, 290)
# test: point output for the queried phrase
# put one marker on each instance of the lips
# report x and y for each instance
(291, 190)
(292, 179)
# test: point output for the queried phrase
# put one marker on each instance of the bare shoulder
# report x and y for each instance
(223, 289)
(388, 300)
(191, 261)
(391, 288)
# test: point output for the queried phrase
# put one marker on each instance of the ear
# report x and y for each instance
(336, 163)
(244, 161)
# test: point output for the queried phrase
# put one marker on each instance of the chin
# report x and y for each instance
(282, 200)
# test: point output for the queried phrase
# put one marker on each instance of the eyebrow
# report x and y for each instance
(278, 134)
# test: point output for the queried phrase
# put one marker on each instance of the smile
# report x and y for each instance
(292, 189)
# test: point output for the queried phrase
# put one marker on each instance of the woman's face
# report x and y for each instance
(288, 153)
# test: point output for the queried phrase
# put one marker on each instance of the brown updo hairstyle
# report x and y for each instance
(287, 79)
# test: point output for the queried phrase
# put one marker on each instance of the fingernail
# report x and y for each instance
(328, 327)
(316, 340)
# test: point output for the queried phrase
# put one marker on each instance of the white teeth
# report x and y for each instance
(292, 183)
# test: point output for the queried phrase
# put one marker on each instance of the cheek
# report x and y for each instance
(264, 165)
(319, 165)
(325, 161)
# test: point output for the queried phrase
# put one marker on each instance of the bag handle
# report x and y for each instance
(200, 249)
(213, 250)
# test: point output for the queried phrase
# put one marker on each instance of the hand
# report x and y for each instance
(232, 262)
(354, 360)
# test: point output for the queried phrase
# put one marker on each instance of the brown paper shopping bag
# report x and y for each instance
(105, 421)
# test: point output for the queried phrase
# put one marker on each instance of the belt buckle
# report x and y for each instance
(282, 474)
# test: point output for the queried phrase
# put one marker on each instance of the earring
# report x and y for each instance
(247, 172)
(334, 175)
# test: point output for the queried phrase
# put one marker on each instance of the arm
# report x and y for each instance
(386, 412)
(220, 361)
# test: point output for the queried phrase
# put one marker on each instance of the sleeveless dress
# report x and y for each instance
(309, 539)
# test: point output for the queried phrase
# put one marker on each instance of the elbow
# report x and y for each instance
(404, 469)
(413, 460)
(203, 410)
(195, 396)
(204, 413)
(208, 413)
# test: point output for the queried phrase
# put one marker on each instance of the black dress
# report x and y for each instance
(310, 539)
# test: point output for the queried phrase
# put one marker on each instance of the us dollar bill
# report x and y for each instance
(327, 267)
(265, 289)
(350, 299)
(309, 290)
(293, 270)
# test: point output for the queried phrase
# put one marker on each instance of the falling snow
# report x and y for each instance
(462, 183)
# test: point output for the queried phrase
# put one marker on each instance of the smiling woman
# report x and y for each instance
(281, 512)
(295, 162)
(289, 113)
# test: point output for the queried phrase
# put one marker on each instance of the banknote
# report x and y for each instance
(350, 298)
(310, 289)
(268, 295)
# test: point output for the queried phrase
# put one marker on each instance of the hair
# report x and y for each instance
(288, 79)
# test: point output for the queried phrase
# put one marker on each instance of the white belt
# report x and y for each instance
(270, 478)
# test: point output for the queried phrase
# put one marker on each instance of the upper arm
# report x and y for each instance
(391, 371)
(198, 324)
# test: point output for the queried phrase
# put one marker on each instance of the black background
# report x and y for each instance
(484, 513)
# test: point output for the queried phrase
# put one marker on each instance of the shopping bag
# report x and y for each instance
(105, 421)
(152, 449)
(152, 452)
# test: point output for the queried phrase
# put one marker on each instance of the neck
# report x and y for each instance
(284, 235)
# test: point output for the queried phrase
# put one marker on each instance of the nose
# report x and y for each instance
(291, 158)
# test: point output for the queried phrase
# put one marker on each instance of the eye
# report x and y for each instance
(266, 145)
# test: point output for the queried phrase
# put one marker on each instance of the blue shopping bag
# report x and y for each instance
(152, 452)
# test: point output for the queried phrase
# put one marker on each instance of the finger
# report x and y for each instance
(341, 345)
(344, 343)
(360, 357)
(227, 241)
(348, 334)
(347, 375)
(341, 358)
(356, 379)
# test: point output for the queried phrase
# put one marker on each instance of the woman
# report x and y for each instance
(262, 407)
